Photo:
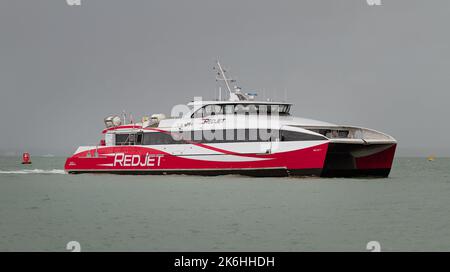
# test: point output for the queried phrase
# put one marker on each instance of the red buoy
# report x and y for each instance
(26, 158)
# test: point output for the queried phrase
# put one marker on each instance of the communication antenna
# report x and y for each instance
(124, 116)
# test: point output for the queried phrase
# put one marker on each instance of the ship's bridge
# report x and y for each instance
(207, 108)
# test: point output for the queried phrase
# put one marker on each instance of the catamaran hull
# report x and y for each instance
(315, 159)
(358, 160)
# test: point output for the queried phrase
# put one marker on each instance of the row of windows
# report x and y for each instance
(218, 136)
(262, 109)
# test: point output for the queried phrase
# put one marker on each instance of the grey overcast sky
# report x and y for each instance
(63, 69)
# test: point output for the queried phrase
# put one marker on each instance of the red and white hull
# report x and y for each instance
(309, 158)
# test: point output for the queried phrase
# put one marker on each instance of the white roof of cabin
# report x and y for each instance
(221, 102)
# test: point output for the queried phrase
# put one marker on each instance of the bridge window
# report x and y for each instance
(244, 108)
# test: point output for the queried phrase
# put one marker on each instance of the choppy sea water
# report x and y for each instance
(42, 209)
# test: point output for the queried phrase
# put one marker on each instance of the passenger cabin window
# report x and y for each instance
(288, 135)
(159, 138)
(129, 139)
(198, 136)
(215, 136)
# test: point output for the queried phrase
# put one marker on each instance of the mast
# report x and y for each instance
(224, 77)
(235, 94)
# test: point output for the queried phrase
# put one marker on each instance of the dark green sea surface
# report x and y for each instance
(42, 209)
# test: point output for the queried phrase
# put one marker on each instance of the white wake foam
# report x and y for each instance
(33, 171)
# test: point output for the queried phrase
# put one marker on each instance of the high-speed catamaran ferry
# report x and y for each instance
(235, 136)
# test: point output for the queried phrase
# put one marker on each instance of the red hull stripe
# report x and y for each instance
(139, 158)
